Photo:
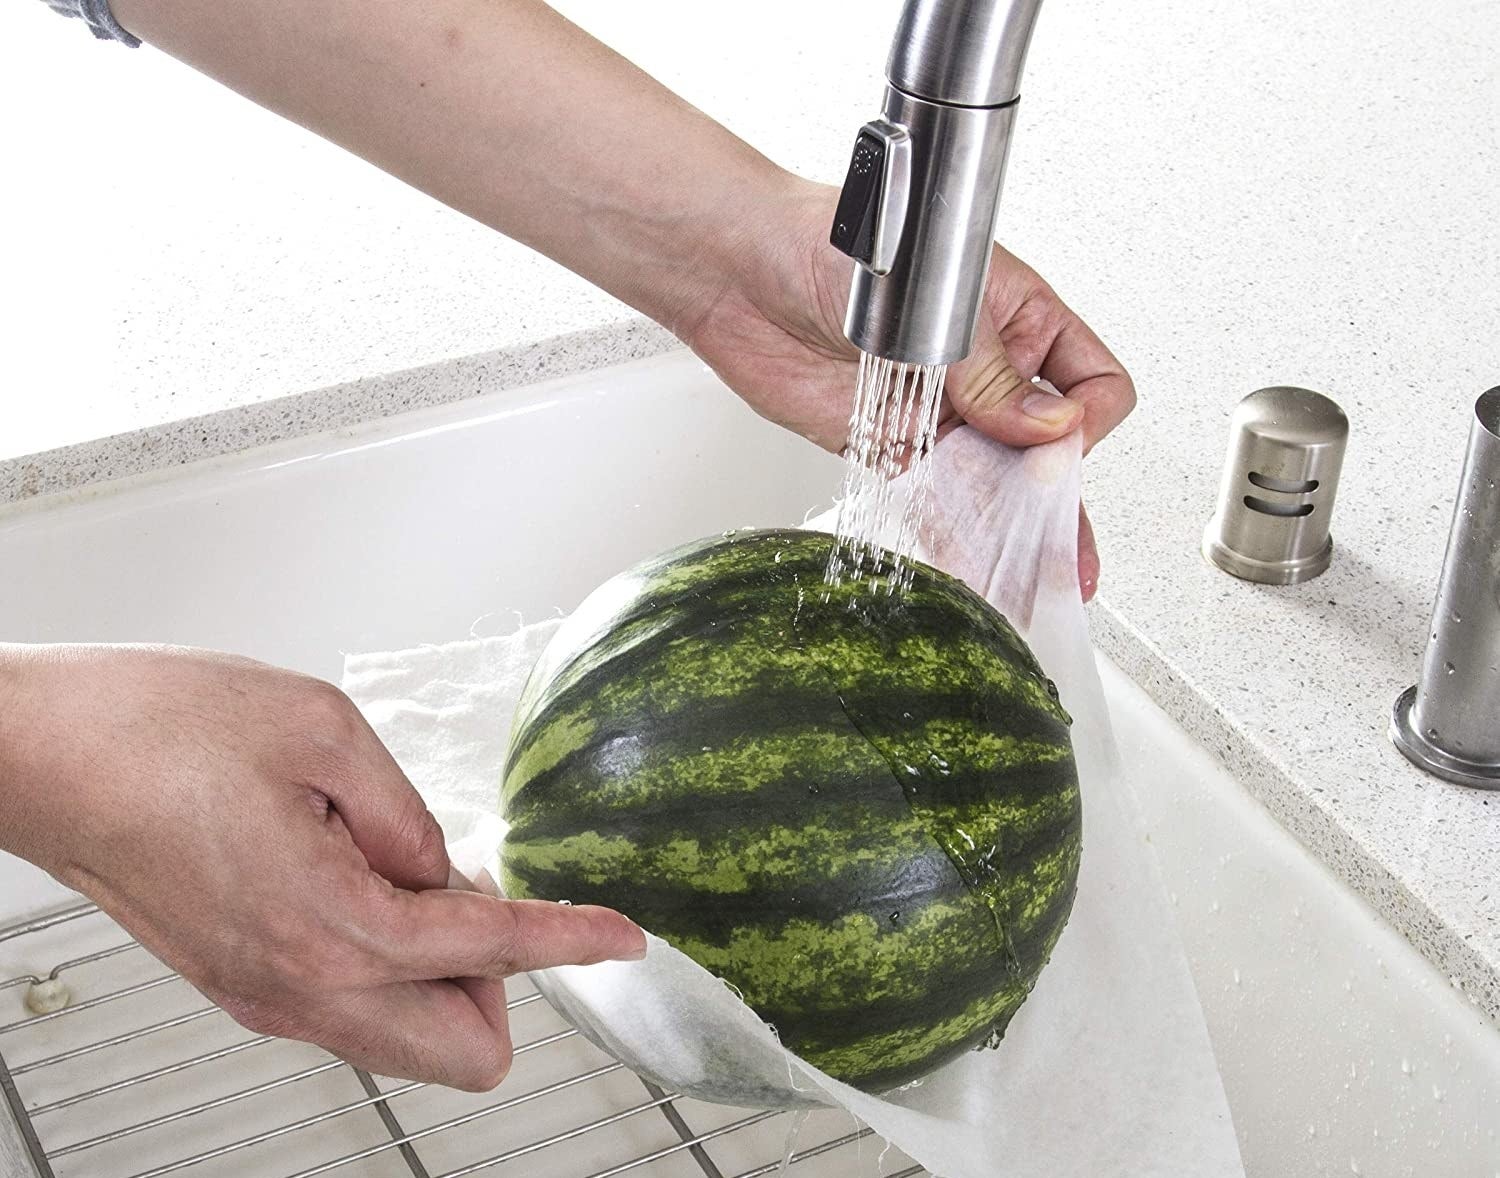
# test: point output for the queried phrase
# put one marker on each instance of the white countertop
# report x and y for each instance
(1234, 197)
(229, 259)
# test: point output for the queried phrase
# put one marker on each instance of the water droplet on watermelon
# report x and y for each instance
(812, 789)
(1012, 958)
(939, 764)
(566, 903)
(895, 918)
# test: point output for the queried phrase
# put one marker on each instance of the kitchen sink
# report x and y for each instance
(1342, 1049)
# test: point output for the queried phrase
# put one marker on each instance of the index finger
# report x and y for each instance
(461, 934)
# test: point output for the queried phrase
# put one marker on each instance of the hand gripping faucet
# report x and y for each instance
(918, 209)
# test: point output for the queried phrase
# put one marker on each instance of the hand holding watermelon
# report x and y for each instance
(251, 831)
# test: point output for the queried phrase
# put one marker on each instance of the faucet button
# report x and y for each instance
(871, 216)
(859, 206)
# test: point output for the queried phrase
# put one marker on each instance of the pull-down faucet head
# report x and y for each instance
(918, 208)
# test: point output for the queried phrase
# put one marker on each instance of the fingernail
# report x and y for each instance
(1051, 410)
(638, 954)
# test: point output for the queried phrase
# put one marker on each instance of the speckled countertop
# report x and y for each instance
(1234, 195)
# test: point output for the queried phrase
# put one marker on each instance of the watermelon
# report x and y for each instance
(860, 808)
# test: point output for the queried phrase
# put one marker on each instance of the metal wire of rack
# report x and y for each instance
(107, 1087)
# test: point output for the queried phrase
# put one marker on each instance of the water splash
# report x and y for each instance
(893, 427)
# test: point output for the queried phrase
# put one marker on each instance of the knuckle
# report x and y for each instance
(500, 936)
(392, 925)
(511, 937)
(487, 1070)
(996, 383)
(329, 727)
(327, 708)
(427, 847)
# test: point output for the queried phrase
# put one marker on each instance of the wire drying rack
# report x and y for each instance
(140, 1077)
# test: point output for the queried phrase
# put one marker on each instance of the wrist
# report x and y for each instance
(775, 262)
(21, 825)
(718, 242)
(54, 767)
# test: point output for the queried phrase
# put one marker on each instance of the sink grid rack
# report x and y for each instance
(139, 1077)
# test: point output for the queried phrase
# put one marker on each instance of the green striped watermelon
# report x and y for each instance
(860, 809)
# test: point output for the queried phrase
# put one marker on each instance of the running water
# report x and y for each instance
(892, 428)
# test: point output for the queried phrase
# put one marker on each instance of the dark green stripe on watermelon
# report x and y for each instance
(859, 809)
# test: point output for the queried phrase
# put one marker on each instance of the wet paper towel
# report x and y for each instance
(1107, 1070)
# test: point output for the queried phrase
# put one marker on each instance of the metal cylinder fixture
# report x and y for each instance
(1272, 525)
(918, 209)
(966, 52)
(924, 308)
(1449, 723)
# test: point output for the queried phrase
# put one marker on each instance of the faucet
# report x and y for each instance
(1449, 723)
(918, 208)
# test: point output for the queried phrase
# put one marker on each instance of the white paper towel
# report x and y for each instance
(1106, 1070)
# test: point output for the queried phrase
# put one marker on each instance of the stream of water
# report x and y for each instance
(892, 428)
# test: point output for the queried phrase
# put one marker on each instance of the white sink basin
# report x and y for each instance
(1342, 1050)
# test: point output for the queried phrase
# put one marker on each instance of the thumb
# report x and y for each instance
(384, 814)
(992, 396)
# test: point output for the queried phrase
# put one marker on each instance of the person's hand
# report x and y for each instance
(251, 830)
(776, 336)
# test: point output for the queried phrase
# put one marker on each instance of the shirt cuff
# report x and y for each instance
(100, 20)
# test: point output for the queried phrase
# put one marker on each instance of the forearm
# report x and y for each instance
(505, 111)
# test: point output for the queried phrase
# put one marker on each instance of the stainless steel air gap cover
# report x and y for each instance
(1286, 446)
(1449, 723)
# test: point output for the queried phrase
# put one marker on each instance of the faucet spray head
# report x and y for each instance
(919, 203)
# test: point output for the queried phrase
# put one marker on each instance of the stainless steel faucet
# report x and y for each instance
(919, 204)
(1449, 723)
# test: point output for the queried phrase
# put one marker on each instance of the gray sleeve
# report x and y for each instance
(96, 14)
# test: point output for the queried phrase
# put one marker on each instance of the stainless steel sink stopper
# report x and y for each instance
(1286, 447)
(1449, 723)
